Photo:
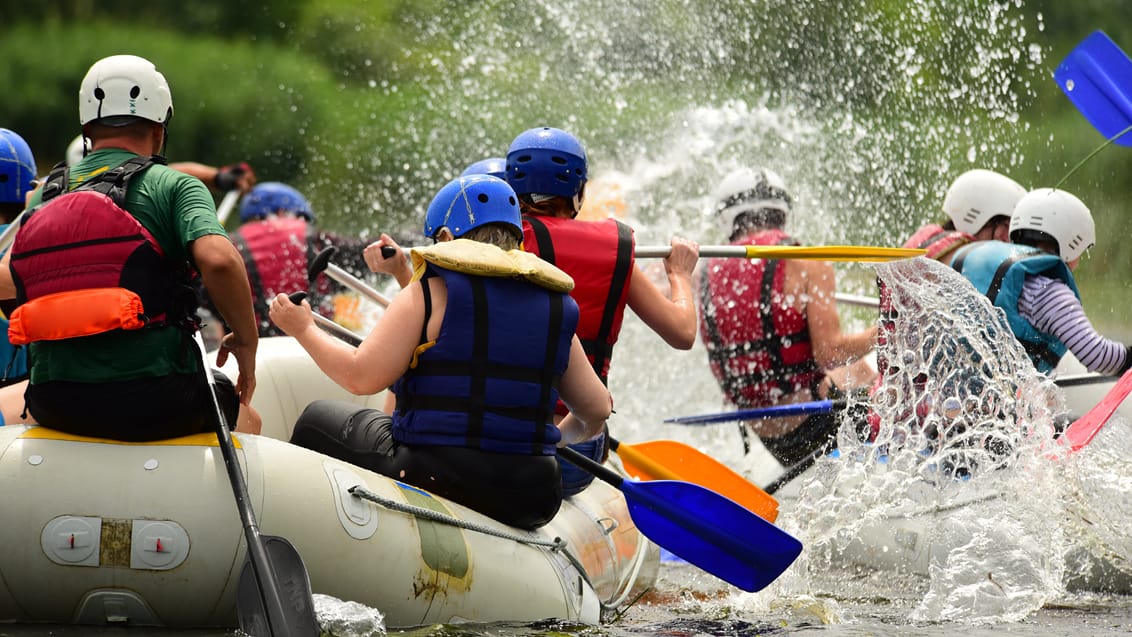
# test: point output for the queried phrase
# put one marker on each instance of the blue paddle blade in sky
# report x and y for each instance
(1097, 78)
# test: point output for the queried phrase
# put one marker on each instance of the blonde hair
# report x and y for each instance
(501, 235)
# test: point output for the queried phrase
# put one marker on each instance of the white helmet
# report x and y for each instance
(1046, 213)
(747, 190)
(977, 196)
(119, 88)
(76, 150)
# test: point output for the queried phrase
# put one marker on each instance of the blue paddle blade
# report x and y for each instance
(711, 532)
(1097, 78)
(774, 411)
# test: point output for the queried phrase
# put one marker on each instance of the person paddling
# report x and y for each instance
(477, 348)
(547, 167)
(771, 327)
(110, 331)
(1032, 281)
(277, 239)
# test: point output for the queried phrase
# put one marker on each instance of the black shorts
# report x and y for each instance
(521, 490)
(137, 410)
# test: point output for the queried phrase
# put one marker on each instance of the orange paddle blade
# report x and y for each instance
(671, 460)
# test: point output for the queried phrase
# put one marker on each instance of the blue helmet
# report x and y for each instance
(17, 167)
(546, 161)
(469, 202)
(494, 166)
(271, 197)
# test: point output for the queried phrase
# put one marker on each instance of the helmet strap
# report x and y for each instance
(579, 199)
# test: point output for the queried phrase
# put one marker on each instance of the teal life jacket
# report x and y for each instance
(998, 270)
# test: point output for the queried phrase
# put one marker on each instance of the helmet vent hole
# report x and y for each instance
(561, 161)
(135, 92)
(511, 200)
(522, 159)
(482, 198)
(99, 94)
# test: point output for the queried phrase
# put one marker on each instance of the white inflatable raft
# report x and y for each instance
(102, 532)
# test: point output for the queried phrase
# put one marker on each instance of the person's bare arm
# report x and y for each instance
(381, 358)
(674, 319)
(224, 276)
(585, 395)
(7, 285)
(234, 177)
(832, 347)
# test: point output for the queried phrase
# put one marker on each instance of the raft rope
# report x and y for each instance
(558, 545)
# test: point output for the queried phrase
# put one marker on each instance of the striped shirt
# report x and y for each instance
(1051, 307)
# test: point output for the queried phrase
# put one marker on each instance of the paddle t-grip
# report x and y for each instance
(320, 262)
(297, 297)
(387, 252)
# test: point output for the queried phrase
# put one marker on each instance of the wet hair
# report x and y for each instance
(761, 219)
(501, 235)
(1036, 239)
(551, 207)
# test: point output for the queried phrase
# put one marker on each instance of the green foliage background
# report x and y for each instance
(368, 107)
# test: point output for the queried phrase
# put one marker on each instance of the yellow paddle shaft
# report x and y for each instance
(820, 253)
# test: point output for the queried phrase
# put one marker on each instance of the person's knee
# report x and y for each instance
(226, 396)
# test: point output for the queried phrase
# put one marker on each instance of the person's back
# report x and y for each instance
(771, 327)
(477, 350)
(1032, 281)
(17, 181)
(129, 373)
(278, 240)
(547, 167)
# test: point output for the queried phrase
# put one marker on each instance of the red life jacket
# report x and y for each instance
(83, 265)
(758, 345)
(937, 241)
(599, 256)
(277, 252)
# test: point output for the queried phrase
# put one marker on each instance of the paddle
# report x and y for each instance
(227, 204)
(648, 461)
(825, 406)
(775, 411)
(321, 263)
(273, 597)
(1097, 77)
(857, 299)
(702, 527)
(671, 460)
(1082, 431)
(822, 253)
(1078, 380)
(326, 324)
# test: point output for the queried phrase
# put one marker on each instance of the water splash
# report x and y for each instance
(338, 618)
(867, 112)
(958, 486)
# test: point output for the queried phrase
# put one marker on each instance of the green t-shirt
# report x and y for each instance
(177, 209)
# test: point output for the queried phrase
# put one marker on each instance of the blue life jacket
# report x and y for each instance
(13, 360)
(998, 270)
(490, 380)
